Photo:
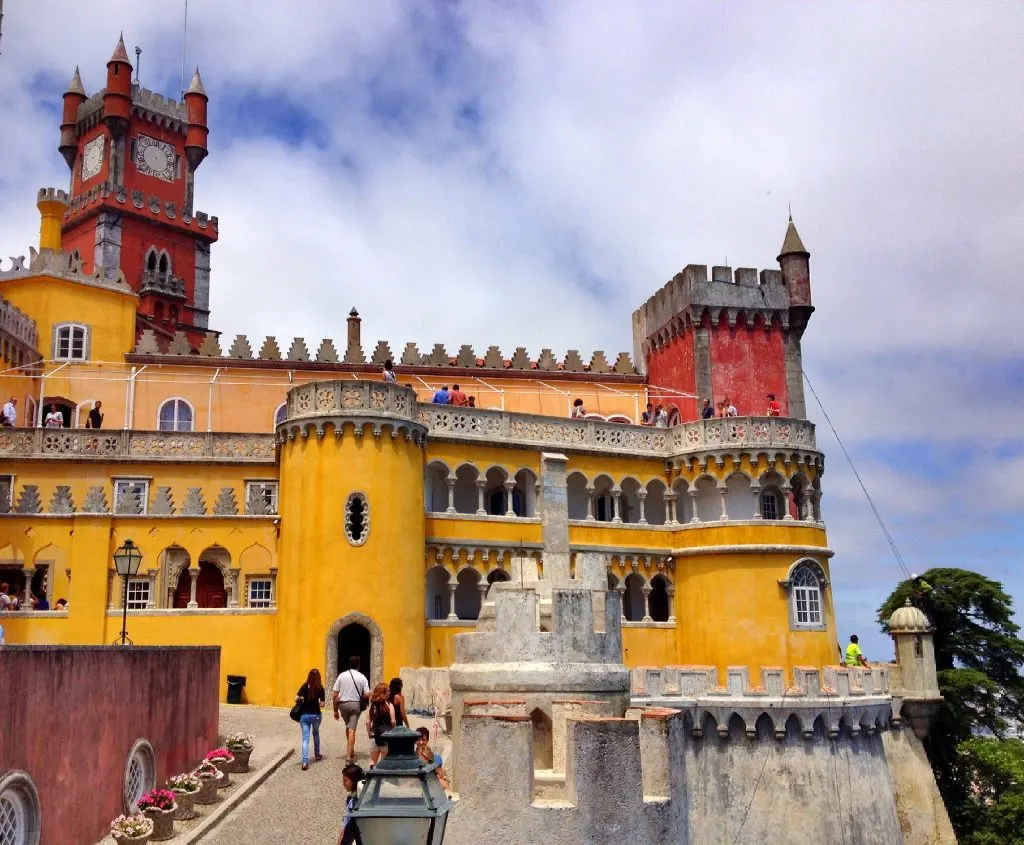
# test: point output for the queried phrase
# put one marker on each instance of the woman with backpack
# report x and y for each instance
(309, 698)
(380, 718)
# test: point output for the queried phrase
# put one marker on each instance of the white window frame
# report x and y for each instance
(806, 600)
(9, 476)
(283, 407)
(71, 328)
(18, 789)
(779, 503)
(143, 493)
(140, 586)
(268, 485)
(260, 603)
(183, 401)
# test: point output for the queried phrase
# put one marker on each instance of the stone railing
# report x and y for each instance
(446, 422)
(137, 445)
(169, 285)
(360, 398)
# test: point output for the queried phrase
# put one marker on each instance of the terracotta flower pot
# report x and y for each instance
(186, 805)
(207, 793)
(130, 840)
(241, 762)
(163, 822)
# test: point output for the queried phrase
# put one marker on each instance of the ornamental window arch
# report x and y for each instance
(176, 414)
(20, 814)
(805, 582)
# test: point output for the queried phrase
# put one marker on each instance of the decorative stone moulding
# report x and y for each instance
(85, 444)
(357, 519)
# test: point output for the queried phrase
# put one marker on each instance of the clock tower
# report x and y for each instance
(133, 155)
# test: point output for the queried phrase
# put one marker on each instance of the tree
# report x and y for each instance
(996, 771)
(978, 655)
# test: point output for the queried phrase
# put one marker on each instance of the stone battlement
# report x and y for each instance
(759, 299)
(151, 205)
(164, 111)
(63, 266)
(52, 195)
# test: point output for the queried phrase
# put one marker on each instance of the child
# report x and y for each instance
(350, 777)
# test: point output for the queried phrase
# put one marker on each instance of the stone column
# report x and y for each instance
(509, 485)
(482, 586)
(152, 573)
(616, 505)
(816, 506)
(647, 603)
(813, 499)
(786, 490)
(642, 496)
(450, 481)
(481, 485)
(233, 587)
(693, 504)
(453, 585)
(111, 574)
(590, 502)
(670, 591)
(620, 588)
(29, 573)
(756, 492)
(724, 493)
(193, 574)
(670, 509)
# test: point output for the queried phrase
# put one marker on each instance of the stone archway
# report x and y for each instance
(376, 669)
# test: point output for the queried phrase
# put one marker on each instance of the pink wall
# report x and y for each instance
(71, 714)
(673, 367)
(746, 365)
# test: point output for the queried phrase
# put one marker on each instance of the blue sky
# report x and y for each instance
(526, 174)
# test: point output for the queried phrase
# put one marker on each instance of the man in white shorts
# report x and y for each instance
(350, 690)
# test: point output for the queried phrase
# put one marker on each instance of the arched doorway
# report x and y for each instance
(354, 641)
(347, 637)
(65, 406)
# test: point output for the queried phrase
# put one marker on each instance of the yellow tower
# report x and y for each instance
(352, 523)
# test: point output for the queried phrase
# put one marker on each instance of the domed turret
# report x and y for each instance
(915, 680)
(198, 132)
(73, 98)
(117, 101)
(909, 620)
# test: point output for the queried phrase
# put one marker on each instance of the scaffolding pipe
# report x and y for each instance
(42, 387)
(209, 402)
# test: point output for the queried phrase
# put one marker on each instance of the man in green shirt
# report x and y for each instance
(854, 656)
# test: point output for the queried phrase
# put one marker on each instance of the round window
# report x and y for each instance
(19, 810)
(139, 775)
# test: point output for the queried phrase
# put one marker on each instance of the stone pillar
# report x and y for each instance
(481, 485)
(555, 517)
(670, 591)
(786, 490)
(620, 588)
(152, 573)
(111, 574)
(590, 502)
(816, 506)
(813, 498)
(756, 492)
(616, 505)
(483, 587)
(453, 585)
(642, 496)
(693, 504)
(193, 574)
(670, 509)
(724, 493)
(509, 485)
(647, 603)
(29, 572)
(233, 587)
(450, 481)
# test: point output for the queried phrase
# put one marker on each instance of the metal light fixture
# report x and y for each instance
(403, 802)
(127, 560)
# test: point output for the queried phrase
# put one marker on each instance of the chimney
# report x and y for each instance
(354, 348)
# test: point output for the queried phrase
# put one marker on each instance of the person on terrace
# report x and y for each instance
(854, 656)
(578, 411)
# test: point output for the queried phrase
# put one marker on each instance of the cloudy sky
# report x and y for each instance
(528, 173)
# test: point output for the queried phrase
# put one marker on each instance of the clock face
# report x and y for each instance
(155, 158)
(92, 158)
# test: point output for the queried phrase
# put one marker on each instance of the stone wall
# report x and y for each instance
(72, 714)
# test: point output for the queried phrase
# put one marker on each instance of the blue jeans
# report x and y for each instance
(307, 720)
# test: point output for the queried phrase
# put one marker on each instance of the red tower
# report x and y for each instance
(133, 155)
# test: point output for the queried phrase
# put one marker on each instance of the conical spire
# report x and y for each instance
(120, 54)
(197, 84)
(75, 86)
(792, 245)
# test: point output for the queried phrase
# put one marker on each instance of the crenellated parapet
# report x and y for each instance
(63, 265)
(145, 205)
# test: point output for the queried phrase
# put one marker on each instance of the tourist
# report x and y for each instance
(721, 408)
(7, 602)
(774, 409)
(398, 701)
(424, 740)
(311, 696)
(442, 397)
(40, 602)
(472, 402)
(854, 656)
(95, 418)
(380, 718)
(661, 417)
(9, 415)
(54, 419)
(351, 775)
(389, 372)
(730, 409)
(427, 755)
(647, 417)
(457, 397)
(61, 604)
(707, 412)
(578, 411)
(350, 690)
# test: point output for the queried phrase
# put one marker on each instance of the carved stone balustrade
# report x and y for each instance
(177, 446)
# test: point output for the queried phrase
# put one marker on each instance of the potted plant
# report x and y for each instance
(208, 776)
(159, 807)
(185, 788)
(131, 830)
(223, 760)
(241, 745)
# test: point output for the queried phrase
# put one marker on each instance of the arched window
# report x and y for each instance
(806, 583)
(70, 342)
(175, 415)
(139, 775)
(659, 601)
(771, 504)
(151, 260)
(164, 266)
(281, 414)
(19, 810)
(357, 519)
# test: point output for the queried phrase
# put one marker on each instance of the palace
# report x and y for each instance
(293, 508)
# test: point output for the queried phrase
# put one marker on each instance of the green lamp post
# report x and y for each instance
(402, 802)
(126, 560)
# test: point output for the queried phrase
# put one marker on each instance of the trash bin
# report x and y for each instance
(235, 686)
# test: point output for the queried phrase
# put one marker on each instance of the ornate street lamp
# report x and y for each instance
(402, 802)
(126, 560)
